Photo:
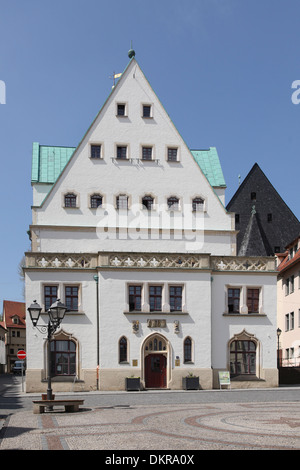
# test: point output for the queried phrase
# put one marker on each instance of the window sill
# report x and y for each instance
(244, 315)
(155, 312)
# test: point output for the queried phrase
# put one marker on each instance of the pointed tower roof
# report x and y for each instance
(275, 222)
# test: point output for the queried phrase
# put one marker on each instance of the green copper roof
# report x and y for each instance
(48, 162)
(209, 163)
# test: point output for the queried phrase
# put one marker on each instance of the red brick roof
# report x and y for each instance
(287, 262)
(12, 309)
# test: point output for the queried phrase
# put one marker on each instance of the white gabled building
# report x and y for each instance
(129, 229)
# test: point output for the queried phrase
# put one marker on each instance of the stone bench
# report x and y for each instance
(70, 405)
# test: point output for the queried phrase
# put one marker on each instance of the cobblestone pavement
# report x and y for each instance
(211, 426)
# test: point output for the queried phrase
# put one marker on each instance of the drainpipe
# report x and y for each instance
(96, 278)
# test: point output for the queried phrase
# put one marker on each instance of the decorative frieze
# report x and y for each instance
(243, 263)
(129, 260)
(61, 260)
(154, 260)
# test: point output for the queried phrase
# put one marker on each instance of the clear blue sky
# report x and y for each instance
(223, 69)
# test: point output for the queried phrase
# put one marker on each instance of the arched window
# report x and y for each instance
(96, 201)
(173, 203)
(187, 350)
(198, 204)
(147, 202)
(122, 201)
(242, 358)
(123, 350)
(70, 200)
(63, 357)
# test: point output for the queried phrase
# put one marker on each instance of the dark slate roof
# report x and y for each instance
(266, 224)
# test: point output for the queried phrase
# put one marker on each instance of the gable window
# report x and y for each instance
(71, 297)
(121, 109)
(147, 111)
(233, 300)
(175, 298)
(253, 196)
(123, 357)
(155, 298)
(253, 300)
(187, 350)
(172, 154)
(96, 201)
(122, 201)
(173, 203)
(70, 200)
(135, 298)
(147, 153)
(63, 357)
(148, 202)
(95, 151)
(121, 152)
(50, 296)
(198, 204)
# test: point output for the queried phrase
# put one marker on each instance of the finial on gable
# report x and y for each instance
(131, 52)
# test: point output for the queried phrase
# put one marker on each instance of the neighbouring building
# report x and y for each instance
(288, 314)
(130, 230)
(14, 322)
(3, 331)
(264, 222)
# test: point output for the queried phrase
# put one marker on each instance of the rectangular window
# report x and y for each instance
(253, 300)
(176, 298)
(292, 320)
(135, 298)
(155, 298)
(71, 297)
(172, 154)
(50, 296)
(121, 152)
(95, 151)
(234, 300)
(147, 153)
(146, 110)
(287, 322)
(121, 109)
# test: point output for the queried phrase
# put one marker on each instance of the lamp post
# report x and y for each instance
(56, 314)
(278, 336)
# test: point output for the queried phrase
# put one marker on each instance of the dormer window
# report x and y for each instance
(70, 200)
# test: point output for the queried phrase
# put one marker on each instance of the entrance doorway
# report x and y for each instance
(156, 371)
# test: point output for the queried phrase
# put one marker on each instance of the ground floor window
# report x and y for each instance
(242, 358)
(63, 357)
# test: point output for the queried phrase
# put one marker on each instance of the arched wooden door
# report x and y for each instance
(156, 371)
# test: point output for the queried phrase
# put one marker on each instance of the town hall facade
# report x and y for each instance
(130, 231)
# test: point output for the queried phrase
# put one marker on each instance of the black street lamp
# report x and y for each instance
(278, 349)
(56, 314)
